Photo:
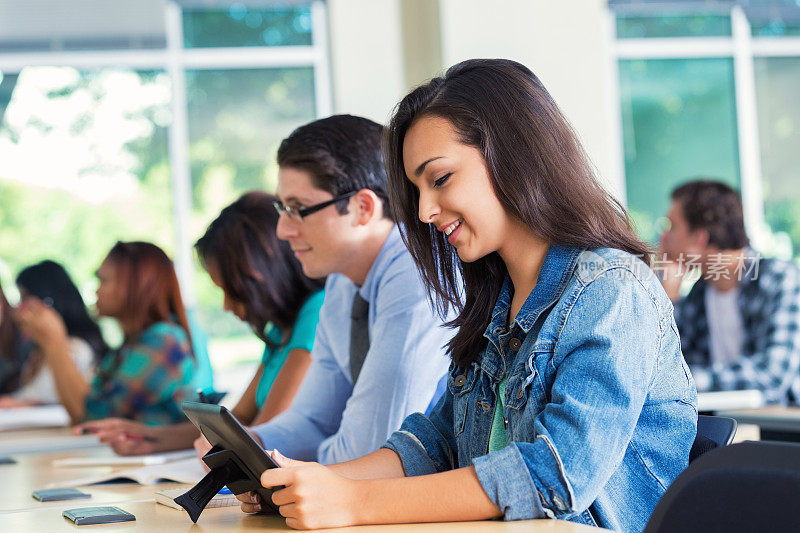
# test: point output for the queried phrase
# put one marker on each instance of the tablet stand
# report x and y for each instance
(226, 469)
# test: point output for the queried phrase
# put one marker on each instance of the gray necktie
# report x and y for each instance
(359, 335)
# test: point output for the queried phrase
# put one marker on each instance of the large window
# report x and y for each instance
(711, 90)
(144, 127)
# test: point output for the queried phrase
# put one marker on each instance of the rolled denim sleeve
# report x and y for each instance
(426, 445)
(605, 358)
(505, 478)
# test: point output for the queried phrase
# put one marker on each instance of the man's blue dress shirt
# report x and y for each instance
(332, 421)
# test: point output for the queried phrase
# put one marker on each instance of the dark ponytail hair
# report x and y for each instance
(49, 282)
(539, 172)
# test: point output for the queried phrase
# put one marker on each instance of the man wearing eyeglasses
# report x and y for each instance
(378, 353)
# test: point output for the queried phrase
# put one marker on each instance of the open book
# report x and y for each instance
(184, 471)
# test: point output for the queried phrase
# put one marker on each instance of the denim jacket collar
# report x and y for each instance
(553, 277)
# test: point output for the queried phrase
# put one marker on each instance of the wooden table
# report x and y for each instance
(21, 512)
(153, 517)
(35, 471)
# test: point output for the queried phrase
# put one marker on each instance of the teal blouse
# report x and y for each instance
(145, 380)
(302, 338)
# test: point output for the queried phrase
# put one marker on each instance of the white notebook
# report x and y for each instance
(184, 471)
(167, 497)
(33, 417)
(132, 460)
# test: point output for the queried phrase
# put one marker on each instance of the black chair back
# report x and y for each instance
(745, 487)
(712, 432)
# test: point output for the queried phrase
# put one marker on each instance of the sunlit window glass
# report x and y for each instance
(681, 25)
(679, 122)
(777, 87)
(239, 25)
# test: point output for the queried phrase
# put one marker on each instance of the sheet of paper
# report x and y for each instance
(118, 460)
(33, 417)
(15, 446)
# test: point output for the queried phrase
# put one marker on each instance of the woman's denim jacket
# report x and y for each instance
(600, 407)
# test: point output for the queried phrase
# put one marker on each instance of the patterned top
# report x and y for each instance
(145, 380)
(769, 304)
(301, 338)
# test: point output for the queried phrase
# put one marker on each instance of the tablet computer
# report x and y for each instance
(224, 432)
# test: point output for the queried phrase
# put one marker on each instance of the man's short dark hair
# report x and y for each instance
(715, 207)
(342, 153)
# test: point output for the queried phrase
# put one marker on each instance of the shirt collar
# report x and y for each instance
(556, 271)
(385, 256)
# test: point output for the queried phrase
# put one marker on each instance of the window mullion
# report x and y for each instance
(747, 126)
(180, 170)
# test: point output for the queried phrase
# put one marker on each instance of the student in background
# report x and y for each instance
(10, 349)
(148, 377)
(740, 322)
(264, 285)
(48, 296)
(567, 396)
(378, 353)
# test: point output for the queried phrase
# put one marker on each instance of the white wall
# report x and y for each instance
(366, 57)
(566, 43)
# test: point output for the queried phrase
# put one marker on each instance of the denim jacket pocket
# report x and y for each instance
(460, 383)
(529, 395)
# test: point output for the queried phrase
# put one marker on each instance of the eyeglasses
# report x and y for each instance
(299, 213)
